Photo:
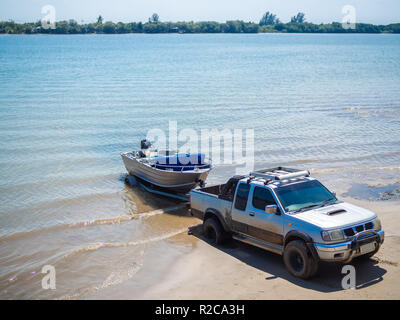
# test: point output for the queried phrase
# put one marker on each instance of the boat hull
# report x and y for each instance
(171, 181)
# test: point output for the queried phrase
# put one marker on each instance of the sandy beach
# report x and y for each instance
(240, 271)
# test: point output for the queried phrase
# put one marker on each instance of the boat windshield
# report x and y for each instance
(305, 195)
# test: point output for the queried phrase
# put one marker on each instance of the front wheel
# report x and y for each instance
(299, 260)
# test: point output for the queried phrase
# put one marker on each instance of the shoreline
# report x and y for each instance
(195, 33)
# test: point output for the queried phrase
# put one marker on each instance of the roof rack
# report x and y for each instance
(280, 173)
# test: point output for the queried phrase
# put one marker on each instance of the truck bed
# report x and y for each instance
(205, 198)
(216, 189)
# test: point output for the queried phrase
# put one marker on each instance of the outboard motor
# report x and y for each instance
(145, 144)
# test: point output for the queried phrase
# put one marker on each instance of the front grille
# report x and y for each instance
(369, 226)
(349, 232)
(359, 228)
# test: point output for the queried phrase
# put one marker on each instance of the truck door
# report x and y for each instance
(238, 214)
(262, 225)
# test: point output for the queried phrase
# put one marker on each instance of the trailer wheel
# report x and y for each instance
(299, 261)
(213, 231)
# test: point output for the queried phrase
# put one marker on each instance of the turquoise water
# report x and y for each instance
(70, 104)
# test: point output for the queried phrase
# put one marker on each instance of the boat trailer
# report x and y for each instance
(134, 181)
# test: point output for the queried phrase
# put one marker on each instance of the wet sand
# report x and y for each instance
(240, 271)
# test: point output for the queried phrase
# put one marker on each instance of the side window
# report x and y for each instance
(262, 197)
(241, 196)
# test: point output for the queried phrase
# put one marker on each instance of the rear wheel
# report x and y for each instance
(299, 260)
(213, 231)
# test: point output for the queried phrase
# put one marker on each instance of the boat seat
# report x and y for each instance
(180, 159)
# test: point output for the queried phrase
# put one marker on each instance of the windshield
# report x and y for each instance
(304, 195)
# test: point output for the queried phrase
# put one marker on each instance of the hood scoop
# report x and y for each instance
(330, 213)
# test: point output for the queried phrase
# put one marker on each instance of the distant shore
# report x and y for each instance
(197, 33)
(236, 26)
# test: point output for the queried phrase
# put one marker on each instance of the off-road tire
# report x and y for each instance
(213, 231)
(299, 260)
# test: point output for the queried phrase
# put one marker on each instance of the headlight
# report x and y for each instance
(377, 224)
(333, 235)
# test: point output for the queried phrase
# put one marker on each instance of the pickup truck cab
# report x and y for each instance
(286, 211)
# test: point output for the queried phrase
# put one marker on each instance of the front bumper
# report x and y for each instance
(346, 251)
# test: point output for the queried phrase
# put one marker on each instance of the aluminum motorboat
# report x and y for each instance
(167, 170)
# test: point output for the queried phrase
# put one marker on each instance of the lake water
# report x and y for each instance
(70, 104)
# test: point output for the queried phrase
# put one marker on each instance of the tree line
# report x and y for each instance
(268, 23)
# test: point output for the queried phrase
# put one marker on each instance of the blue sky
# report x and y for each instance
(317, 11)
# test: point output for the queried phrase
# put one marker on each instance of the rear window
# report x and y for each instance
(241, 196)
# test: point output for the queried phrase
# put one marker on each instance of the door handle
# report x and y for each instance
(251, 214)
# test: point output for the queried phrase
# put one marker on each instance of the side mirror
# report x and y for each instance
(271, 209)
(333, 193)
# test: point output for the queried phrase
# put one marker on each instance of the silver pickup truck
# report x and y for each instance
(286, 211)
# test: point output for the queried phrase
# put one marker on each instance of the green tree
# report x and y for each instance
(299, 18)
(73, 27)
(232, 27)
(185, 27)
(62, 27)
(268, 19)
(209, 27)
(27, 28)
(132, 27)
(154, 18)
(250, 27)
(394, 28)
(99, 27)
(91, 28)
(268, 23)
(122, 28)
(280, 27)
(109, 27)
